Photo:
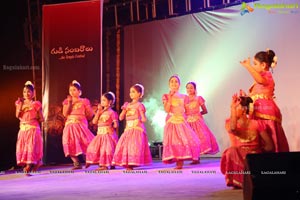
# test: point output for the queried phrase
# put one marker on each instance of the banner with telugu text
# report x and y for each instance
(72, 49)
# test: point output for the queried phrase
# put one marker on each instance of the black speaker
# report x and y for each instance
(272, 176)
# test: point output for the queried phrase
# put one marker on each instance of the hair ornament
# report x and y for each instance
(274, 63)
(142, 87)
(29, 83)
(76, 82)
(113, 95)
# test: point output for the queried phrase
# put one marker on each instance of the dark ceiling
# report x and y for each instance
(118, 13)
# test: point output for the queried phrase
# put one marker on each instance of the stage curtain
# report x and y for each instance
(72, 50)
(207, 48)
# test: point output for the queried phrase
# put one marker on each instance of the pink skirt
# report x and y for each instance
(277, 134)
(180, 142)
(208, 142)
(233, 164)
(268, 112)
(76, 138)
(132, 149)
(101, 150)
(29, 148)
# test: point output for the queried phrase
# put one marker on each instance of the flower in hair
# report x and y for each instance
(142, 87)
(76, 82)
(274, 63)
(113, 95)
(29, 83)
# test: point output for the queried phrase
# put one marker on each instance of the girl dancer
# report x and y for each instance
(102, 147)
(76, 135)
(132, 149)
(29, 151)
(180, 142)
(262, 93)
(195, 109)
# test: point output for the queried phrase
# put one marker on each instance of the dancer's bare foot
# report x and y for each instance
(179, 164)
(87, 165)
(27, 168)
(236, 187)
(195, 162)
(102, 168)
(77, 165)
(37, 166)
(178, 167)
(112, 167)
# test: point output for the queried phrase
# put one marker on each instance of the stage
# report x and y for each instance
(158, 181)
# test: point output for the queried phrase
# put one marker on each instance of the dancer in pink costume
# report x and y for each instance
(132, 149)
(102, 148)
(262, 93)
(195, 109)
(246, 136)
(180, 142)
(29, 148)
(76, 135)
